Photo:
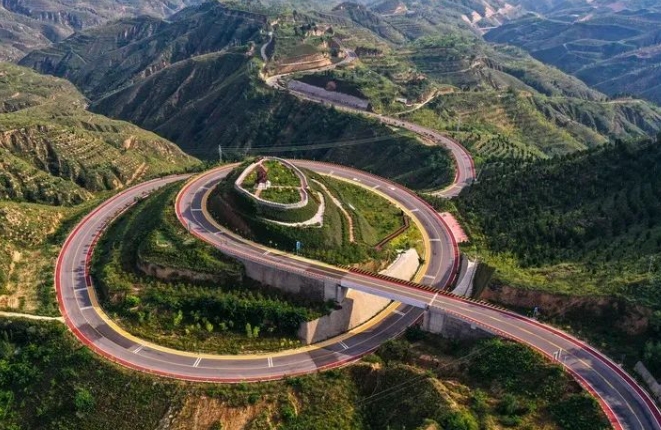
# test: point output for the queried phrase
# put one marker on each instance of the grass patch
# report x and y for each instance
(281, 175)
(281, 195)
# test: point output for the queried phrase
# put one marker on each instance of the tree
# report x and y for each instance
(83, 400)
(652, 356)
(461, 421)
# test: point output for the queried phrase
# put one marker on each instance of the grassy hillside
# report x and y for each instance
(372, 219)
(57, 159)
(30, 24)
(204, 304)
(49, 381)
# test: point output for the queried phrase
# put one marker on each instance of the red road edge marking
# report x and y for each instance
(87, 342)
(628, 379)
(582, 381)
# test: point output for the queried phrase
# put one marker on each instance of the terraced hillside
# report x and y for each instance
(341, 223)
(454, 81)
(31, 24)
(615, 50)
(56, 158)
(201, 93)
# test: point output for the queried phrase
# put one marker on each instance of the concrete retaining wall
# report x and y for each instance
(357, 307)
(467, 271)
(649, 379)
(438, 322)
(238, 186)
(294, 283)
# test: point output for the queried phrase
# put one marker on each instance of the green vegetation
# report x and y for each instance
(30, 240)
(205, 305)
(281, 175)
(510, 386)
(376, 217)
(373, 218)
(212, 96)
(585, 225)
(57, 161)
(594, 216)
(281, 195)
(53, 151)
(47, 380)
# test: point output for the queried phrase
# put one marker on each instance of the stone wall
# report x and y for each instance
(178, 274)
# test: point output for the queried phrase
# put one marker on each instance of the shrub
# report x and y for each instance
(83, 400)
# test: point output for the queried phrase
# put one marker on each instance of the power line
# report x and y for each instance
(402, 386)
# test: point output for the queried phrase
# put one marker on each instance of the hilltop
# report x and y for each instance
(56, 159)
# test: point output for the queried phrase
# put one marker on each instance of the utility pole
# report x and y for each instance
(220, 153)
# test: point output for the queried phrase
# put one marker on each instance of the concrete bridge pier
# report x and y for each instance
(334, 291)
(437, 321)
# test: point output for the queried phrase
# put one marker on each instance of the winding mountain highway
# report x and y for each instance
(626, 404)
(84, 316)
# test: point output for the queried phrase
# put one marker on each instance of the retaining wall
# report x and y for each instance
(294, 283)
(357, 307)
(649, 379)
(438, 322)
(283, 206)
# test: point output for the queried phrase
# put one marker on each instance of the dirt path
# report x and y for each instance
(29, 316)
(338, 203)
